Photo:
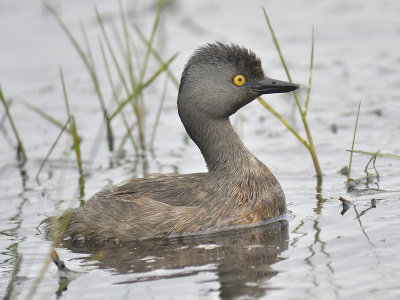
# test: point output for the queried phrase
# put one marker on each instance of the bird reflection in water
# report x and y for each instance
(241, 258)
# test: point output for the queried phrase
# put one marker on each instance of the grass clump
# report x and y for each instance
(126, 72)
(127, 76)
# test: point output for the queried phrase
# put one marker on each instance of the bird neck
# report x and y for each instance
(248, 188)
(221, 147)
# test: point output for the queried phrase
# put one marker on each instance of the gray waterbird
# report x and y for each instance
(238, 188)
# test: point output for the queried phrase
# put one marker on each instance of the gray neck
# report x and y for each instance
(244, 182)
(221, 147)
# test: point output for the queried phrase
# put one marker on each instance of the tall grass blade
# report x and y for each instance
(112, 53)
(158, 115)
(127, 49)
(75, 141)
(303, 113)
(312, 149)
(118, 67)
(283, 121)
(159, 71)
(21, 154)
(352, 144)
(151, 40)
(156, 56)
(123, 140)
(115, 96)
(378, 154)
(87, 44)
(87, 60)
(139, 99)
(63, 129)
(47, 117)
(278, 49)
(310, 77)
(144, 85)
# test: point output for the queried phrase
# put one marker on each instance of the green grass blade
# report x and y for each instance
(123, 141)
(310, 77)
(112, 53)
(65, 95)
(115, 96)
(352, 144)
(378, 154)
(158, 115)
(21, 153)
(70, 36)
(310, 145)
(283, 120)
(278, 48)
(81, 53)
(75, 139)
(144, 85)
(151, 40)
(87, 59)
(117, 66)
(156, 56)
(87, 44)
(162, 69)
(127, 49)
(63, 129)
(46, 116)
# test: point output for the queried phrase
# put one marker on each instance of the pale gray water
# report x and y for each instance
(319, 254)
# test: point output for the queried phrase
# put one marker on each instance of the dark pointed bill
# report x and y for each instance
(271, 86)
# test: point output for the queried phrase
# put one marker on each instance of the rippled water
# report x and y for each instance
(324, 249)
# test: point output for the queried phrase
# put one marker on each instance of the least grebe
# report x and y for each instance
(238, 188)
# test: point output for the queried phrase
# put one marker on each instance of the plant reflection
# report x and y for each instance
(318, 245)
(358, 217)
(317, 238)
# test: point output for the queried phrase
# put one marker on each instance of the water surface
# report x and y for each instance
(322, 250)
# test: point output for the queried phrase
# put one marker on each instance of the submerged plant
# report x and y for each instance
(303, 110)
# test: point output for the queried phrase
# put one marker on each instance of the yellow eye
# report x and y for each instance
(239, 80)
